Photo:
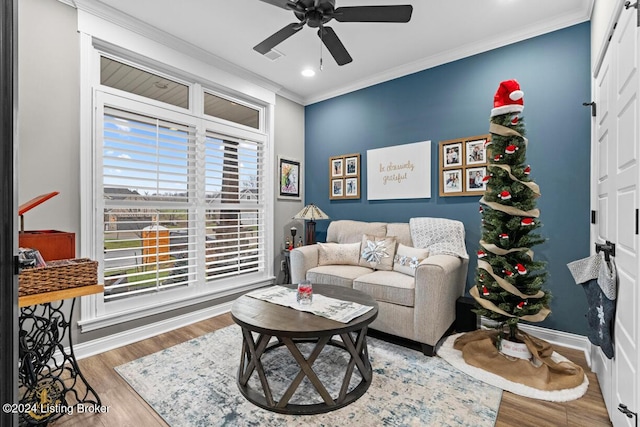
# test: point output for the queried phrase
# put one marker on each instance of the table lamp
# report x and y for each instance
(310, 213)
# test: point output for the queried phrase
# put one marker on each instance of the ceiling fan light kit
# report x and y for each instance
(316, 13)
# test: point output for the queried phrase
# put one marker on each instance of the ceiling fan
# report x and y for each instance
(316, 13)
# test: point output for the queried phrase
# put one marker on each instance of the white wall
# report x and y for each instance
(289, 142)
(48, 112)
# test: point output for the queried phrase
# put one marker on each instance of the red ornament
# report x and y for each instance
(481, 254)
(507, 273)
(485, 291)
(480, 209)
(521, 269)
(527, 222)
(511, 149)
(486, 178)
(505, 195)
(504, 236)
(497, 157)
(521, 305)
(527, 170)
(514, 120)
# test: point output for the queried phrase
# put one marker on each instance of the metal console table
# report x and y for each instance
(50, 381)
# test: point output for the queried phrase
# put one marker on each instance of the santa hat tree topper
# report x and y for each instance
(508, 99)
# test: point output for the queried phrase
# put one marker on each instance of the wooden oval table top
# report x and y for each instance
(278, 320)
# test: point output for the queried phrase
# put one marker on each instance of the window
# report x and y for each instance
(182, 210)
(218, 106)
(130, 79)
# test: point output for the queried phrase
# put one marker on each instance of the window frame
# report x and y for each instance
(96, 313)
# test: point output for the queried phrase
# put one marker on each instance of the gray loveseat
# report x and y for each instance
(416, 284)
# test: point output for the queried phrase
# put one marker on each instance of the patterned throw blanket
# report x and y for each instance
(439, 236)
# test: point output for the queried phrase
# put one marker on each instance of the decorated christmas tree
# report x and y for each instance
(508, 281)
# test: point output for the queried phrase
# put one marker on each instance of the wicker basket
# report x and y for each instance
(57, 276)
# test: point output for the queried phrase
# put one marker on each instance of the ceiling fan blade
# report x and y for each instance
(278, 37)
(284, 4)
(398, 13)
(334, 45)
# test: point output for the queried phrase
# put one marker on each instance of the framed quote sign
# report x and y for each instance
(399, 172)
(463, 166)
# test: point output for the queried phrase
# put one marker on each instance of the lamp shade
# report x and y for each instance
(311, 212)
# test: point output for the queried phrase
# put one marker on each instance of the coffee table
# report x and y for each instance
(261, 321)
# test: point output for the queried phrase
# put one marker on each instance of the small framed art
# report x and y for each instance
(452, 179)
(344, 172)
(463, 166)
(289, 178)
(475, 179)
(337, 188)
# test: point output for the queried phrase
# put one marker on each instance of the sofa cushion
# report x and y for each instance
(338, 254)
(401, 231)
(388, 286)
(348, 231)
(407, 259)
(341, 275)
(377, 252)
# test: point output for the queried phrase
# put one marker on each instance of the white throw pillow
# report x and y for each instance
(377, 252)
(338, 253)
(407, 259)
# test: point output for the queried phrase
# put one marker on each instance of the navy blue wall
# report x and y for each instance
(454, 101)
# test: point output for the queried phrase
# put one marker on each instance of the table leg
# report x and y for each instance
(306, 370)
(50, 380)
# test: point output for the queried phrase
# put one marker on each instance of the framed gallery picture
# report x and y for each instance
(344, 173)
(476, 152)
(452, 154)
(351, 188)
(452, 179)
(337, 167)
(289, 178)
(463, 165)
(475, 179)
(351, 165)
(337, 189)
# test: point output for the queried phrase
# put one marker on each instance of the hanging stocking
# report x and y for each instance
(598, 279)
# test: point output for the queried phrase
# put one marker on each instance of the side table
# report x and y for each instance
(50, 381)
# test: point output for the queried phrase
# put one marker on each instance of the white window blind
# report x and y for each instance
(235, 208)
(148, 187)
(170, 216)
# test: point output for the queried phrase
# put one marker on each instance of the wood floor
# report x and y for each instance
(126, 408)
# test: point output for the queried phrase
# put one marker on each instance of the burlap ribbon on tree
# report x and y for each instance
(542, 372)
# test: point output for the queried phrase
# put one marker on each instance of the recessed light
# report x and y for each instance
(308, 72)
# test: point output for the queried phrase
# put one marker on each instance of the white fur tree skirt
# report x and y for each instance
(454, 357)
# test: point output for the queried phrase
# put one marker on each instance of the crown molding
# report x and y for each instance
(562, 21)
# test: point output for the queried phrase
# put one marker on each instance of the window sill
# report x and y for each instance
(115, 318)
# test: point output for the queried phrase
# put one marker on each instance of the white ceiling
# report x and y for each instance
(440, 31)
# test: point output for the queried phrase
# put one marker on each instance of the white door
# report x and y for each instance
(615, 178)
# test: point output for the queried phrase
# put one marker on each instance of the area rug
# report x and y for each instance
(194, 384)
(454, 357)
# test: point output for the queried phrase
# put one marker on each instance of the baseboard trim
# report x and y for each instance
(565, 339)
(97, 346)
